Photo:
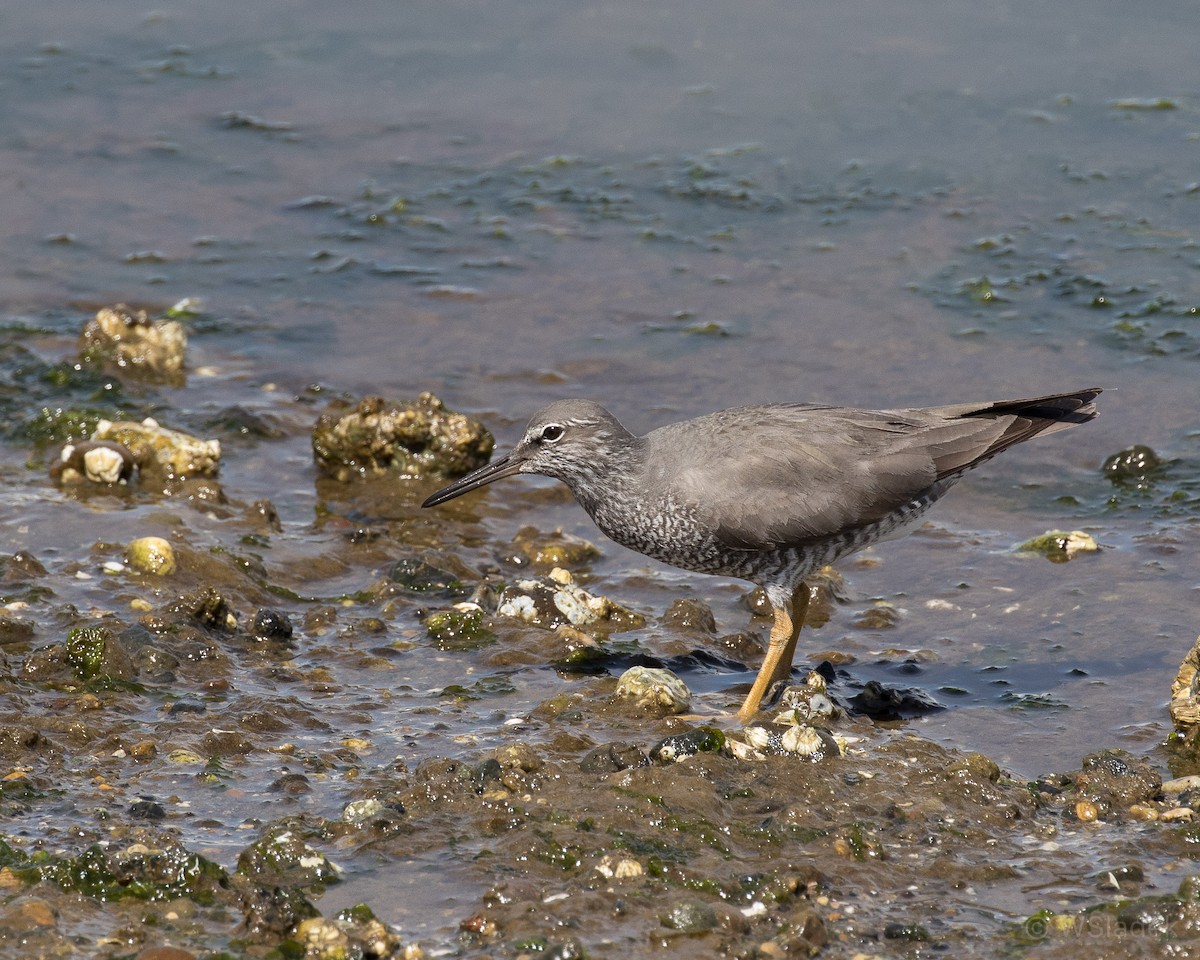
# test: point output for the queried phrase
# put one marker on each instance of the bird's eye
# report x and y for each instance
(552, 432)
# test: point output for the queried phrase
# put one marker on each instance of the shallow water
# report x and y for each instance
(670, 209)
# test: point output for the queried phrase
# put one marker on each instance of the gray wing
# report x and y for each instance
(769, 476)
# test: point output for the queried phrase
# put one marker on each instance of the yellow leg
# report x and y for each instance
(781, 648)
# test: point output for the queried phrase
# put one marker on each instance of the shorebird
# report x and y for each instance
(769, 493)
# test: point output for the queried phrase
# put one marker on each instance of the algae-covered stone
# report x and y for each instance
(138, 872)
(152, 555)
(95, 652)
(1059, 546)
(556, 549)
(680, 746)
(655, 689)
(1135, 466)
(131, 341)
(160, 451)
(459, 628)
(413, 439)
(283, 857)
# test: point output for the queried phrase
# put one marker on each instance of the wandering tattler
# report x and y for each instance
(769, 493)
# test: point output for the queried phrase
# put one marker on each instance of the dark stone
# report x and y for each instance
(145, 809)
(612, 757)
(271, 625)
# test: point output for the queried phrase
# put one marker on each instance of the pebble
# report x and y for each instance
(1086, 811)
(152, 555)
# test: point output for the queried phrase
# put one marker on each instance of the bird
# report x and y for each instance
(769, 493)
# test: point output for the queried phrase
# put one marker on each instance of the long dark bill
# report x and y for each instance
(504, 467)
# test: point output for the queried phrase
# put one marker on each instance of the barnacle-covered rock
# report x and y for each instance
(410, 439)
(654, 688)
(680, 746)
(808, 701)
(164, 453)
(558, 601)
(130, 340)
(93, 461)
(802, 740)
(1185, 690)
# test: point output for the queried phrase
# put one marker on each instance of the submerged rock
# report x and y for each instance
(1137, 467)
(413, 439)
(131, 341)
(1059, 546)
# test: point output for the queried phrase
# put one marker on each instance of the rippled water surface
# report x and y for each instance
(669, 208)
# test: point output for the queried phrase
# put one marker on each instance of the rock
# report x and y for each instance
(612, 757)
(94, 652)
(414, 439)
(206, 607)
(1185, 690)
(1134, 466)
(547, 551)
(27, 914)
(129, 340)
(163, 454)
(460, 628)
(165, 953)
(94, 461)
(1059, 546)
(15, 629)
(654, 689)
(680, 746)
(619, 867)
(690, 616)
(558, 601)
(1118, 778)
(802, 740)
(689, 916)
(283, 857)
(271, 624)
(152, 555)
